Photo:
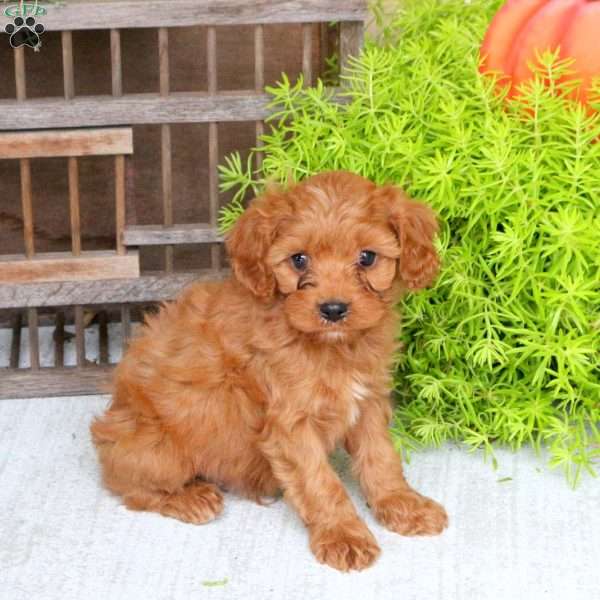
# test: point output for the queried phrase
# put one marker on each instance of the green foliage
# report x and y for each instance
(506, 347)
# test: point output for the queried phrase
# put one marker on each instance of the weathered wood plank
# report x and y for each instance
(74, 206)
(125, 326)
(132, 109)
(79, 336)
(80, 142)
(48, 382)
(107, 14)
(27, 206)
(166, 151)
(307, 36)
(137, 109)
(68, 66)
(259, 83)
(351, 41)
(116, 68)
(63, 266)
(147, 288)
(15, 343)
(34, 338)
(213, 144)
(120, 201)
(59, 339)
(103, 337)
(20, 73)
(157, 235)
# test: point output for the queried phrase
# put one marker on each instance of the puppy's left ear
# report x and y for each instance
(416, 226)
(250, 239)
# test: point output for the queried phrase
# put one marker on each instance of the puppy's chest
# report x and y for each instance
(338, 402)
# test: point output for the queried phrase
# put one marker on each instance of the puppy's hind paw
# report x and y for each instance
(198, 502)
(345, 547)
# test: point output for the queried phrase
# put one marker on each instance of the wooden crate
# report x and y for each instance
(105, 284)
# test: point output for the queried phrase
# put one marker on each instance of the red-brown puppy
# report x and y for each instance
(251, 383)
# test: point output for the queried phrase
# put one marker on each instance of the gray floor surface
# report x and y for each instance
(64, 537)
(515, 533)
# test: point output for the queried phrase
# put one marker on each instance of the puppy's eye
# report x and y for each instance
(300, 261)
(367, 258)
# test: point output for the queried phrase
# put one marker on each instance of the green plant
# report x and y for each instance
(506, 347)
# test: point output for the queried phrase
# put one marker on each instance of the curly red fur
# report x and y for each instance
(244, 385)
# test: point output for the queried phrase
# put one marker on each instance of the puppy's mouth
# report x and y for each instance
(333, 336)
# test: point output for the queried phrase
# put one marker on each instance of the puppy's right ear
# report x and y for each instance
(249, 241)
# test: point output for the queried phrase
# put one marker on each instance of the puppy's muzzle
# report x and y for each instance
(333, 310)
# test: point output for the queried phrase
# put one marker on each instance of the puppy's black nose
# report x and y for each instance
(333, 311)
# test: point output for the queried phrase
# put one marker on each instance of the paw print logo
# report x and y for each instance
(25, 32)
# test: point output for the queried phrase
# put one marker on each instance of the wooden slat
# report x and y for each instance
(79, 336)
(27, 206)
(132, 109)
(67, 381)
(153, 235)
(69, 87)
(34, 338)
(351, 41)
(213, 144)
(63, 266)
(259, 83)
(323, 48)
(165, 141)
(68, 68)
(307, 31)
(147, 288)
(125, 326)
(120, 166)
(74, 206)
(59, 339)
(20, 75)
(103, 337)
(79, 14)
(120, 200)
(79, 142)
(15, 343)
(116, 63)
(24, 165)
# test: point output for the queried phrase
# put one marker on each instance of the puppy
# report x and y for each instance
(250, 384)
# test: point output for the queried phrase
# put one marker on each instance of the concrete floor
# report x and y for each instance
(64, 537)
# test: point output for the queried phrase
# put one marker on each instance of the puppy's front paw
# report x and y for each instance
(345, 546)
(409, 513)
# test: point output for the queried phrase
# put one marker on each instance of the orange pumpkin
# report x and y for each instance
(523, 27)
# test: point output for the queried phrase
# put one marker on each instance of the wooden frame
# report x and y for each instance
(53, 144)
(116, 114)
(107, 14)
(64, 266)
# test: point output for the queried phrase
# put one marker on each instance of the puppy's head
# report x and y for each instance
(335, 249)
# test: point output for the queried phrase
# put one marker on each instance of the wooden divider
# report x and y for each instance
(166, 149)
(73, 168)
(59, 339)
(307, 33)
(26, 203)
(351, 40)
(28, 281)
(64, 266)
(61, 143)
(259, 82)
(146, 288)
(213, 145)
(93, 14)
(15, 345)
(116, 68)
